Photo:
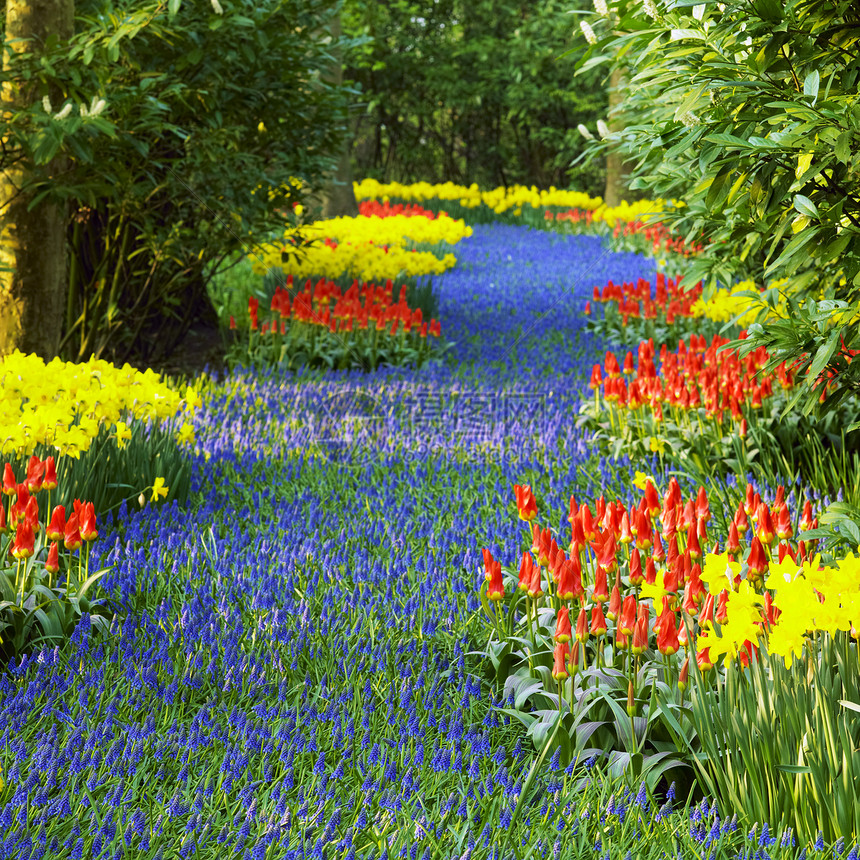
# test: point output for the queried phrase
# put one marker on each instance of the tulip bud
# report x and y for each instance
(682, 678)
(574, 658)
(49, 482)
(614, 609)
(10, 483)
(598, 621)
(562, 625)
(24, 541)
(52, 565)
(559, 669)
(631, 699)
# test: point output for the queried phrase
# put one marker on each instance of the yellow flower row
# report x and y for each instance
(63, 404)
(501, 200)
(367, 262)
(369, 247)
(391, 230)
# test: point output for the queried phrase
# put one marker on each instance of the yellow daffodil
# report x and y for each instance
(185, 436)
(123, 434)
(640, 480)
(657, 446)
(719, 572)
(781, 573)
(656, 591)
(65, 404)
(159, 490)
(192, 398)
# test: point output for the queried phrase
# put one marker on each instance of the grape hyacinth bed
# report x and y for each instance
(290, 675)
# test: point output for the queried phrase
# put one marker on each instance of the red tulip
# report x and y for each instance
(52, 565)
(783, 524)
(526, 504)
(25, 541)
(757, 560)
(560, 655)
(806, 519)
(72, 537)
(88, 523)
(35, 473)
(570, 580)
(614, 608)
(682, 677)
(605, 551)
(31, 514)
(640, 631)
(57, 527)
(764, 528)
(636, 576)
(536, 585)
(703, 511)
(693, 546)
(10, 484)
(525, 572)
(721, 613)
(601, 589)
(628, 615)
(496, 588)
(667, 638)
(49, 482)
(703, 661)
(562, 625)
(598, 622)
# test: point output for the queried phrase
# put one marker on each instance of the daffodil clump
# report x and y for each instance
(578, 207)
(500, 200)
(726, 305)
(370, 248)
(805, 597)
(62, 405)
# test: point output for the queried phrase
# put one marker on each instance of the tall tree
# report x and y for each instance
(32, 237)
(338, 196)
(616, 169)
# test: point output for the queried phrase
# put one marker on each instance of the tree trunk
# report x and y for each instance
(338, 197)
(616, 173)
(32, 243)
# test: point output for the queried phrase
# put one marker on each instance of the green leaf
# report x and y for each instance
(810, 85)
(842, 148)
(173, 7)
(794, 768)
(805, 206)
(823, 355)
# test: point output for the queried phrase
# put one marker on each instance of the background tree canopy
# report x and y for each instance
(472, 91)
(749, 114)
(215, 120)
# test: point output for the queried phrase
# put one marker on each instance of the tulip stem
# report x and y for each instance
(532, 637)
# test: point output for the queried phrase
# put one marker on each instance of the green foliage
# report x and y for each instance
(212, 125)
(40, 608)
(470, 92)
(749, 115)
(108, 475)
(781, 744)
(608, 324)
(306, 345)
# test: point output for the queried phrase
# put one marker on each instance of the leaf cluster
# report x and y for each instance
(213, 124)
(470, 92)
(748, 113)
